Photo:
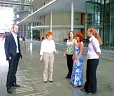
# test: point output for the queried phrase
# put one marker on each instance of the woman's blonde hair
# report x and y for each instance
(95, 33)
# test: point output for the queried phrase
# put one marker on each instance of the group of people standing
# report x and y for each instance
(73, 53)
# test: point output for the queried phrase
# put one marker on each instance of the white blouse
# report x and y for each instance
(93, 47)
(47, 46)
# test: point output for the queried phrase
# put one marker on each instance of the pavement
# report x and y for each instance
(29, 74)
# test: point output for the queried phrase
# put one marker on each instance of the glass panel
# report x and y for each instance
(100, 14)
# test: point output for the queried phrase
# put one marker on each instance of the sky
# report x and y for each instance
(6, 17)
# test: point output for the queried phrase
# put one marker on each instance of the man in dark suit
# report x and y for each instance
(13, 53)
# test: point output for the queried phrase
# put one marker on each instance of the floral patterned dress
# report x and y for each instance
(77, 71)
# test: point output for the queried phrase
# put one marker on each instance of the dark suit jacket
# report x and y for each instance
(10, 46)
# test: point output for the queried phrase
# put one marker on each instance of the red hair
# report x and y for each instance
(48, 34)
(80, 35)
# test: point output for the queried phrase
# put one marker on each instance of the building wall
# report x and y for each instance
(61, 19)
(62, 33)
(47, 19)
(77, 18)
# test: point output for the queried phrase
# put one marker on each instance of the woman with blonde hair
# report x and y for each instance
(46, 53)
(93, 53)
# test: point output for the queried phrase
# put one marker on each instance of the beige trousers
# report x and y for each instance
(48, 59)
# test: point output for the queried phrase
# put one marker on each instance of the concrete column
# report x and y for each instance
(41, 33)
(26, 34)
(85, 26)
(110, 38)
(51, 20)
(31, 35)
(72, 15)
(23, 30)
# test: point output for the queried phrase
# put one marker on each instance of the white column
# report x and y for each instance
(23, 30)
(42, 35)
(26, 34)
(72, 15)
(31, 35)
(51, 20)
(85, 26)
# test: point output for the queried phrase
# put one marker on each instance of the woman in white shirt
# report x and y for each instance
(46, 52)
(93, 53)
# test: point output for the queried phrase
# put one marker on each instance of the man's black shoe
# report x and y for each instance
(9, 90)
(16, 85)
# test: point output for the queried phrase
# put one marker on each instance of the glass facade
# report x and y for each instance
(100, 14)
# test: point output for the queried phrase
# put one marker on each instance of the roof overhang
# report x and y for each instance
(56, 26)
(56, 6)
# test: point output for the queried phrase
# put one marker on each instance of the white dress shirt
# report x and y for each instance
(15, 38)
(93, 47)
(47, 46)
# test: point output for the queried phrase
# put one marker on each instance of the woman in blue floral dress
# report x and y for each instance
(77, 71)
